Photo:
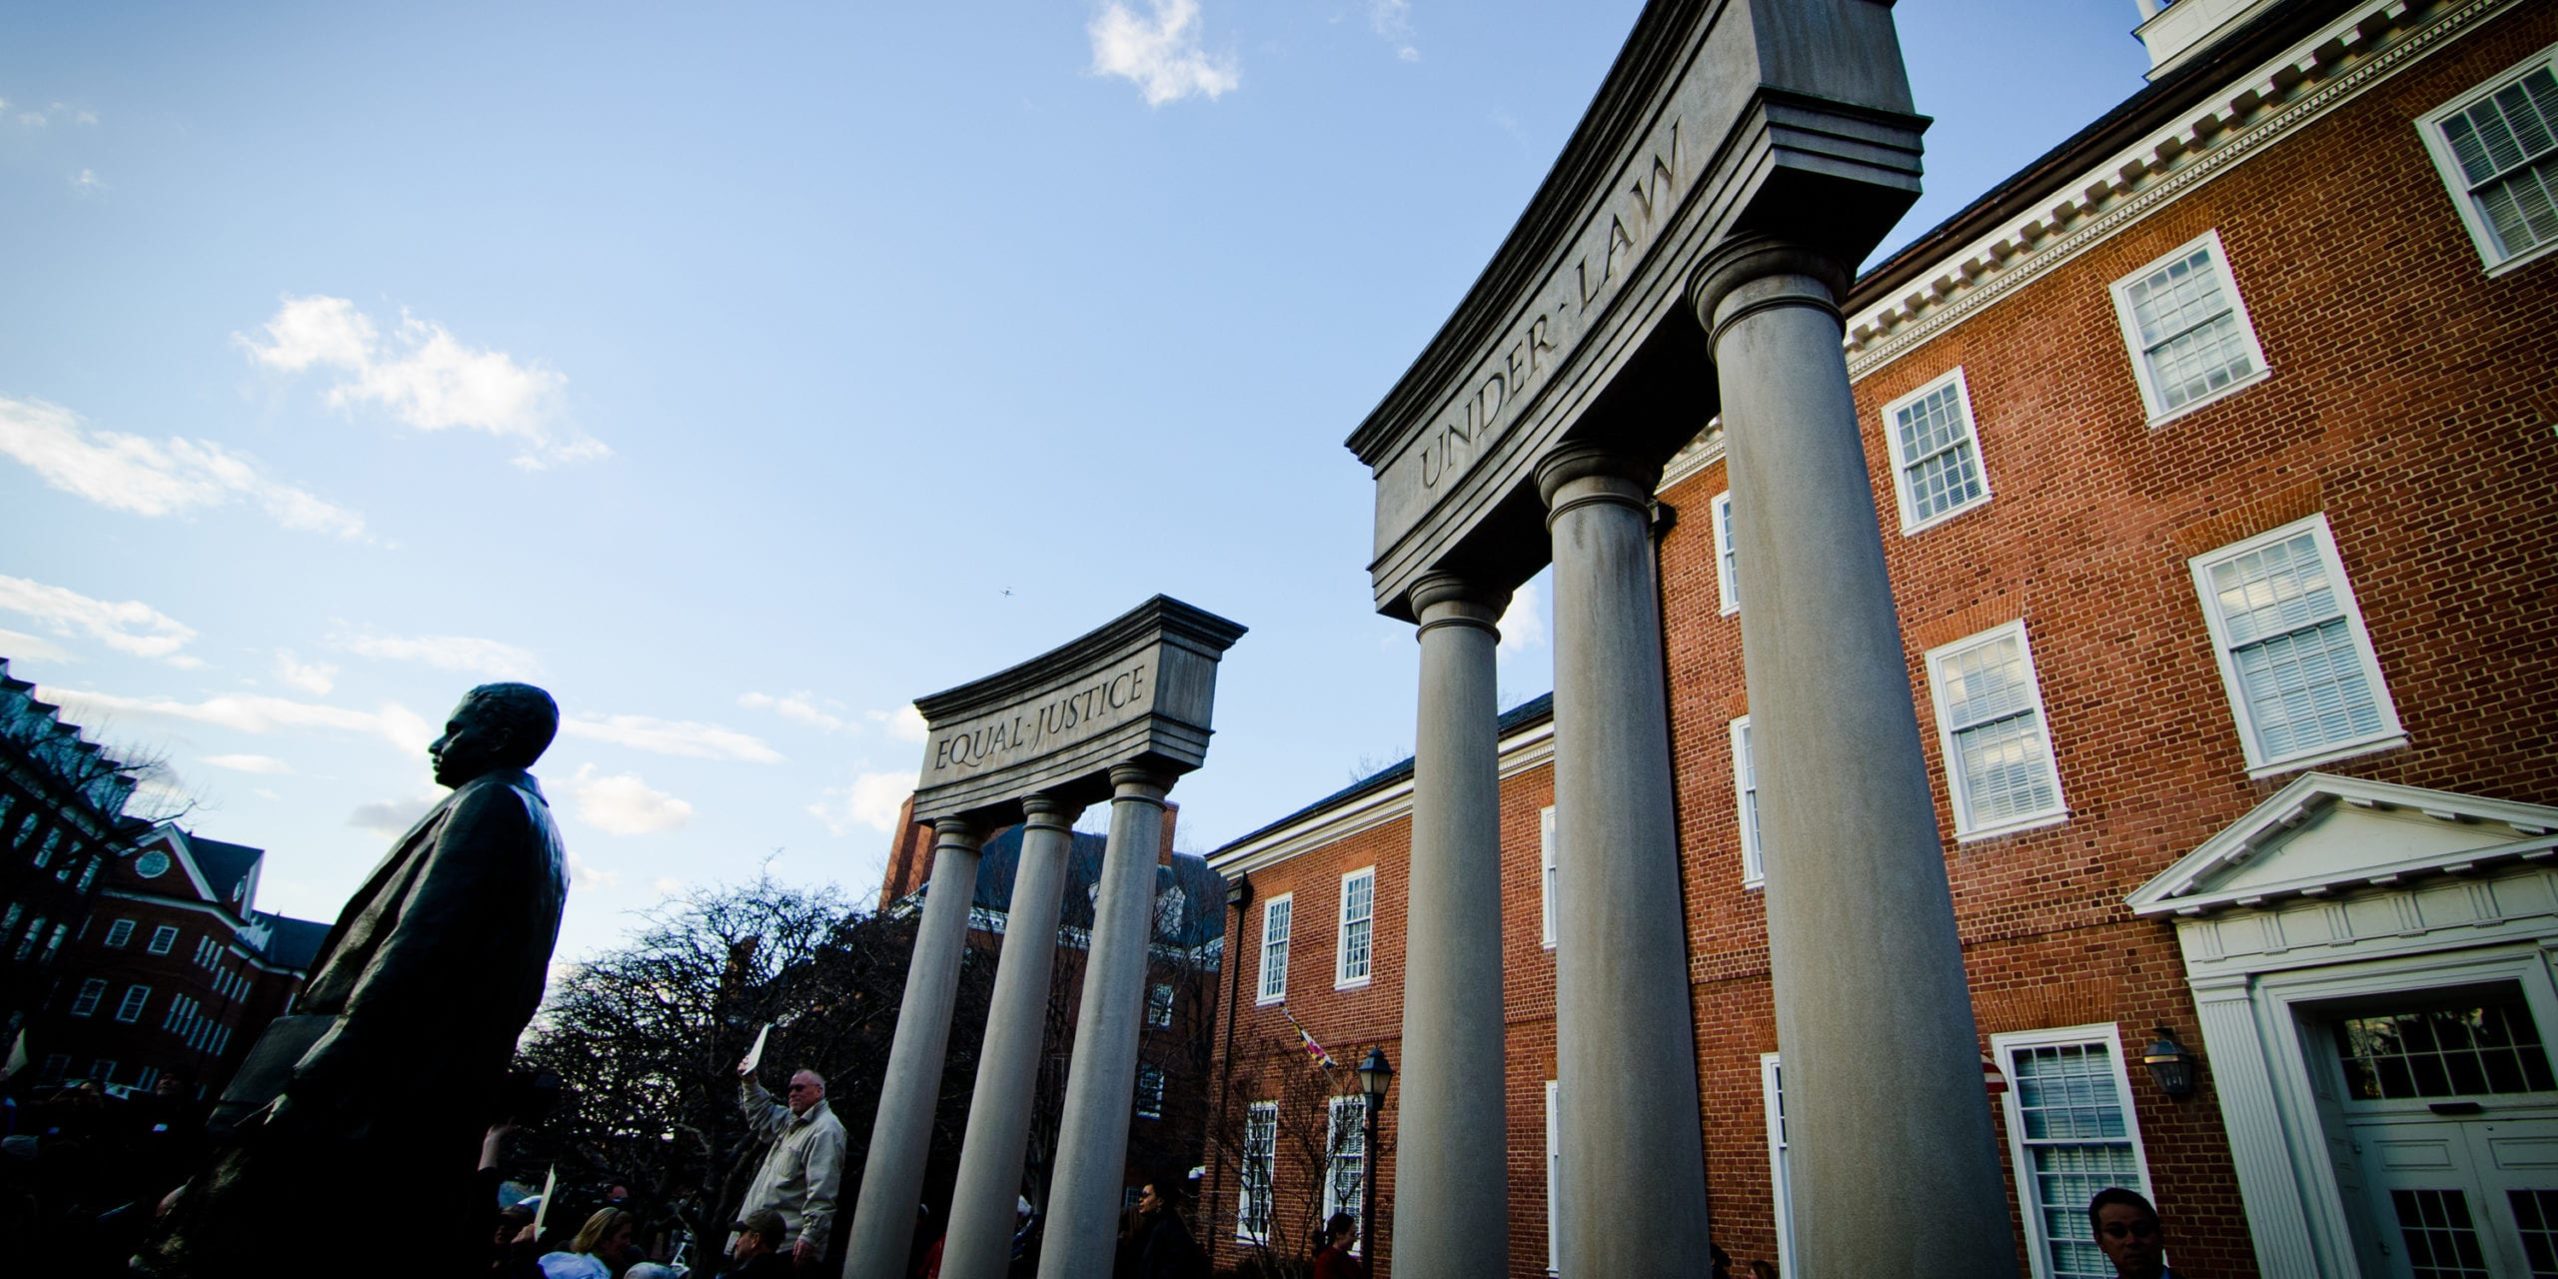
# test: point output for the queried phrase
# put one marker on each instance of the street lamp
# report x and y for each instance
(1375, 1074)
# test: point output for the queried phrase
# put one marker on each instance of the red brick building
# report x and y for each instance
(62, 821)
(176, 971)
(2210, 452)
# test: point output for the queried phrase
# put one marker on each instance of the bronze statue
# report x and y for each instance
(372, 1096)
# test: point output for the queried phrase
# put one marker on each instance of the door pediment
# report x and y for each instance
(2325, 834)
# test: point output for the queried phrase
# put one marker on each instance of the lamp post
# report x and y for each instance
(1375, 1074)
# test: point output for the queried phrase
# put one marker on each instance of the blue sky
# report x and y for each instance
(740, 375)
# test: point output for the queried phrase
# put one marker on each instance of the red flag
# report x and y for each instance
(1313, 1049)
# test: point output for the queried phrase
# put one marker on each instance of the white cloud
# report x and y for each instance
(682, 738)
(170, 476)
(1523, 623)
(585, 876)
(394, 723)
(1392, 21)
(31, 119)
(86, 182)
(468, 654)
(392, 817)
(666, 885)
(623, 804)
(1161, 56)
(315, 678)
(267, 764)
(905, 723)
(84, 117)
(426, 377)
(25, 647)
(799, 706)
(128, 627)
(871, 799)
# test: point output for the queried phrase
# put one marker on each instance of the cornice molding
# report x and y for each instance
(1523, 751)
(2279, 98)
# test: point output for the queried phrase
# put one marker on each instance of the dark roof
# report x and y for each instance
(1001, 860)
(1531, 711)
(224, 864)
(291, 943)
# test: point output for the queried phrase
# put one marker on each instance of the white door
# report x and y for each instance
(2451, 1108)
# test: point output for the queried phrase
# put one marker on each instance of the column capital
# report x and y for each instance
(1048, 808)
(1139, 783)
(1749, 272)
(1576, 474)
(1442, 598)
(957, 832)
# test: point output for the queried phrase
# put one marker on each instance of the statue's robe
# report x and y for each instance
(431, 972)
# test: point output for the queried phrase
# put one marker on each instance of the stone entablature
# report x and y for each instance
(1139, 688)
(2231, 120)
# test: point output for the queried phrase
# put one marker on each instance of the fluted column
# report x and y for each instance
(1633, 1151)
(1092, 1135)
(1452, 1135)
(979, 1245)
(901, 1137)
(1882, 1067)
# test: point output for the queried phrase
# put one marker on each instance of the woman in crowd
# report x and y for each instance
(602, 1241)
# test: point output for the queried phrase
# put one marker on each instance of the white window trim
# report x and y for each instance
(1548, 868)
(1745, 782)
(1910, 521)
(2456, 183)
(1355, 1104)
(1156, 1099)
(1780, 1193)
(93, 992)
(1957, 789)
(2122, 291)
(1269, 1161)
(1341, 978)
(1553, 1179)
(1159, 1011)
(1727, 592)
(1264, 996)
(2038, 1248)
(2391, 734)
(163, 940)
(126, 1003)
(119, 934)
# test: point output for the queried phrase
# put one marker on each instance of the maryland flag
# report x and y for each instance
(1313, 1048)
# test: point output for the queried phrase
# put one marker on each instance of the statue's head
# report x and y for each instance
(496, 726)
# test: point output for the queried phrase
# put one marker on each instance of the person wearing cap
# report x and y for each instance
(757, 1254)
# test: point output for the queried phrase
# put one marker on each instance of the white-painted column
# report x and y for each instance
(1451, 1137)
(2252, 1114)
(901, 1137)
(1092, 1135)
(1633, 1150)
(979, 1243)
(1892, 1161)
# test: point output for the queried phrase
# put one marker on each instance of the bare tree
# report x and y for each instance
(1293, 1128)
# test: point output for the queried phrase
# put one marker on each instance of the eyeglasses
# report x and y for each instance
(2137, 1229)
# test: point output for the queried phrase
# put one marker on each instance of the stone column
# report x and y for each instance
(1633, 1149)
(1882, 1065)
(1451, 1138)
(901, 1137)
(1092, 1135)
(979, 1245)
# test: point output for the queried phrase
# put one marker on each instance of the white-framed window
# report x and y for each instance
(27, 943)
(1727, 581)
(61, 932)
(1358, 928)
(2071, 1132)
(1276, 914)
(1172, 907)
(1159, 1005)
(163, 939)
(2294, 656)
(1996, 742)
(1553, 1178)
(136, 997)
(1150, 1092)
(1936, 452)
(86, 1002)
(1780, 1184)
(2187, 329)
(103, 1069)
(1345, 1144)
(1260, 1153)
(1547, 868)
(148, 1076)
(1745, 798)
(204, 951)
(2497, 149)
(119, 933)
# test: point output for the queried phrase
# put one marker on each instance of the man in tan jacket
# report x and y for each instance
(805, 1168)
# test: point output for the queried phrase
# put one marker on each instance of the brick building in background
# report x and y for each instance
(62, 821)
(2211, 453)
(176, 971)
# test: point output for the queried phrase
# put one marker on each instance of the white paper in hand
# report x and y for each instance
(755, 1055)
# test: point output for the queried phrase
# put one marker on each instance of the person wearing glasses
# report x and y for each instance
(805, 1166)
(2126, 1228)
